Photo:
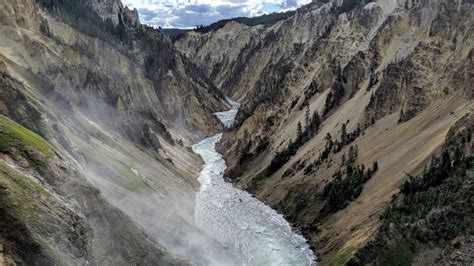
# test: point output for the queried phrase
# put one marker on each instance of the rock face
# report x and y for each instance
(95, 117)
(115, 11)
(109, 9)
(388, 78)
(161, 85)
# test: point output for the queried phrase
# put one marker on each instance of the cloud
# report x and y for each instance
(189, 13)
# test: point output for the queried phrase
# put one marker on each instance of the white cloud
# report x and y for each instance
(189, 13)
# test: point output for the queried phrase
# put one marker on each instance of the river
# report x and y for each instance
(253, 230)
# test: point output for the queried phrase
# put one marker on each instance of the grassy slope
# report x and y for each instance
(28, 210)
(22, 206)
(16, 137)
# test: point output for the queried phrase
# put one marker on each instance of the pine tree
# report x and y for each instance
(353, 153)
(343, 134)
(315, 121)
(44, 29)
(299, 132)
(329, 142)
(307, 120)
(400, 119)
(375, 167)
(328, 103)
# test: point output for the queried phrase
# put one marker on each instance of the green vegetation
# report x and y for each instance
(175, 34)
(349, 5)
(312, 89)
(23, 105)
(268, 19)
(302, 136)
(80, 15)
(16, 138)
(300, 205)
(122, 35)
(337, 91)
(119, 167)
(17, 181)
(104, 138)
(31, 218)
(338, 256)
(44, 29)
(246, 155)
(346, 185)
(296, 167)
(16, 194)
(121, 173)
(102, 161)
(400, 117)
(335, 146)
(430, 210)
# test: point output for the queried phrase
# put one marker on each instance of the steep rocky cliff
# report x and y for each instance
(340, 101)
(96, 111)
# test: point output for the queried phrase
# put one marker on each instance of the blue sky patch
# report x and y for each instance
(190, 13)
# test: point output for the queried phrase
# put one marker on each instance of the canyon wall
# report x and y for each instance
(97, 115)
(339, 102)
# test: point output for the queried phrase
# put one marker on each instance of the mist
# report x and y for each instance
(154, 186)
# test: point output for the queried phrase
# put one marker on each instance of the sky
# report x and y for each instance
(189, 13)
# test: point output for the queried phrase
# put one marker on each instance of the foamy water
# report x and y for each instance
(239, 221)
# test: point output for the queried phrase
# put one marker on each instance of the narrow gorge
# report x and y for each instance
(259, 234)
(345, 139)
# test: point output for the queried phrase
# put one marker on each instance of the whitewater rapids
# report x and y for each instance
(253, 230)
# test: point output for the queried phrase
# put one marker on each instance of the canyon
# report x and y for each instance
(349, 140)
